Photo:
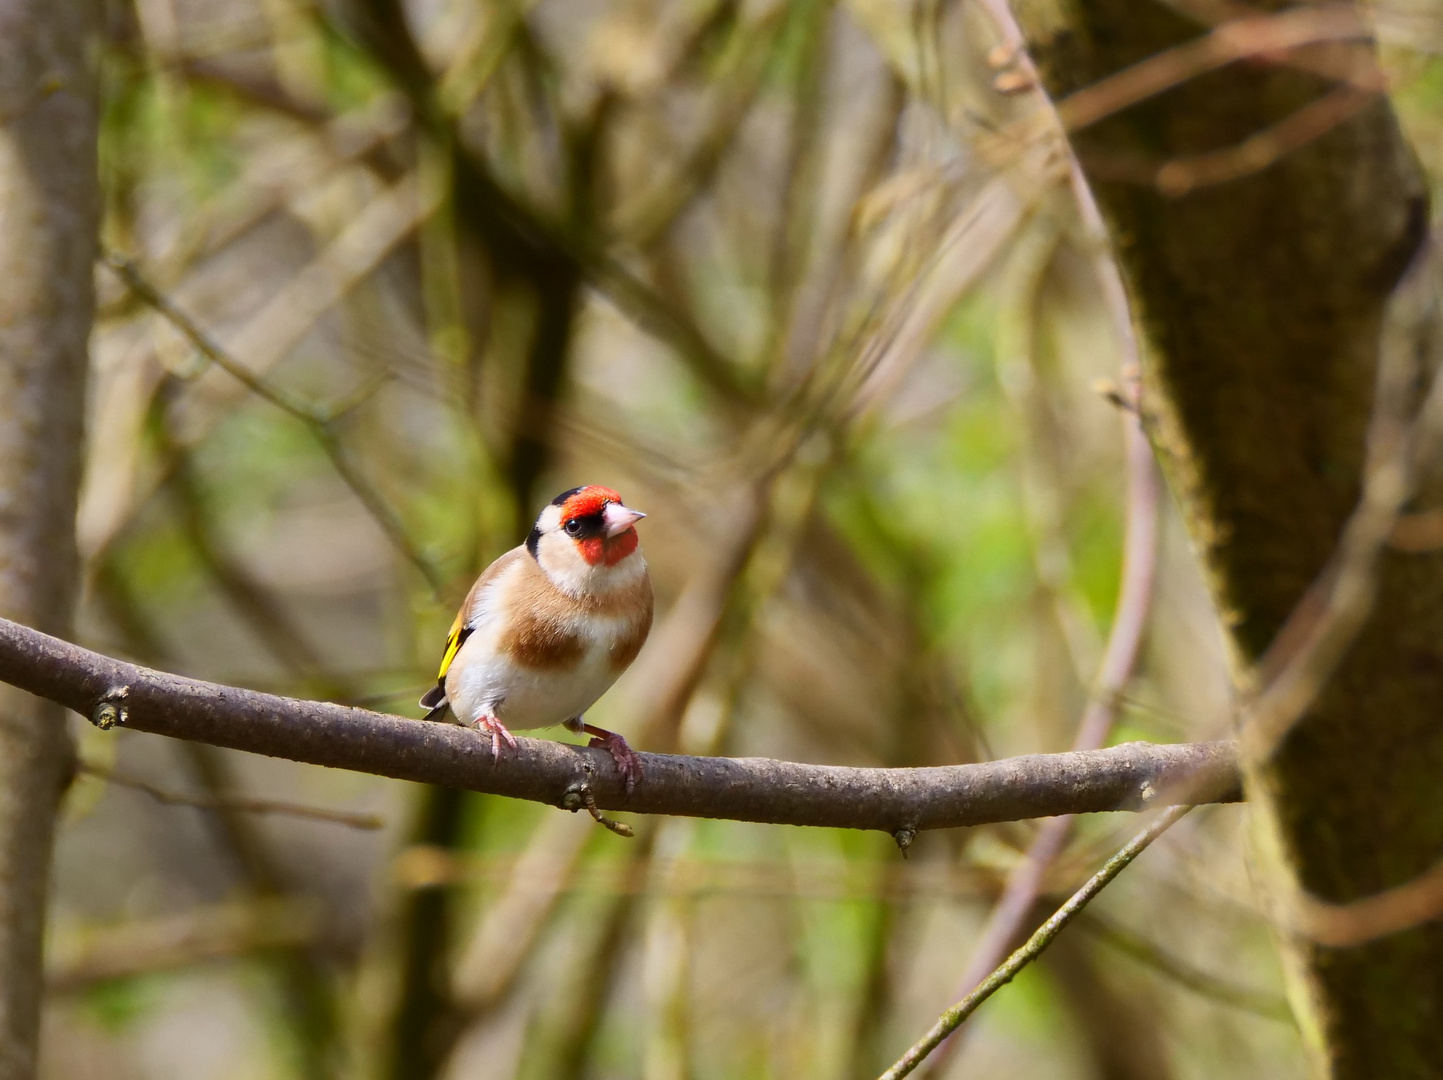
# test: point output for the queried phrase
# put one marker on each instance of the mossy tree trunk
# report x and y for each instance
(1261, 300)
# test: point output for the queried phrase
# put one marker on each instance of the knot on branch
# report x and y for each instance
(110, 710)
(904, 837)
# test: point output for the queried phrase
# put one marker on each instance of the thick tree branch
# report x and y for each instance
(899, 801)
(50, 208)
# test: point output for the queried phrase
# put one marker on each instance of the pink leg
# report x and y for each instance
(497, 731)
(628, 761)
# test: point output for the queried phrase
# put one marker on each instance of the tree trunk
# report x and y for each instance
(1261, 299)
(49, 212)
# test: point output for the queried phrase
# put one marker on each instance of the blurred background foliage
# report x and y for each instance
(799, 280)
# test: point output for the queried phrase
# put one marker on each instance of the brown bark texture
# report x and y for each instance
(1261, 300)
(1133, 776)
(49, 214)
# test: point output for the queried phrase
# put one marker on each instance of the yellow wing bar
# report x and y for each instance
(454, 640)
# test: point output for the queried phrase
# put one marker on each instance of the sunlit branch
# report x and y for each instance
(898, 801)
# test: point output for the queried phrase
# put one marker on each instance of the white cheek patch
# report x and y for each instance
(559, 557)
(563, 564)
(550, 519)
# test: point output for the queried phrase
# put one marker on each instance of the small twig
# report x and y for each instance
(1266, 34)
(1357, 922)
(1036, 945)
(645, 219)
(380, 510)
(207, 346)
(243, 804)
(318, 422)
(361, 395)
(1403, 440)
(1179, 176)
(619, 828)
(582, 796)
(1124, 645)
(1113, 394)
(1418, 532)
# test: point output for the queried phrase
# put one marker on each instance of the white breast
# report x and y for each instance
(486, 681)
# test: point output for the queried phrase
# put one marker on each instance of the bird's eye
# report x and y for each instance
(573, 527)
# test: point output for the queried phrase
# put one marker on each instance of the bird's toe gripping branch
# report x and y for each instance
(628, 761)
(497, 730)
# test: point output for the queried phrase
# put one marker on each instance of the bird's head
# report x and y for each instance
(586, 540)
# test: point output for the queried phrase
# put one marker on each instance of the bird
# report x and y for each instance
(550, 625)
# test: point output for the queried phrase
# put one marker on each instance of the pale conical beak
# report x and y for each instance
(620, 518)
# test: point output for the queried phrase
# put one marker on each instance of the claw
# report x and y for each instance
(497, 730)
(628, 761)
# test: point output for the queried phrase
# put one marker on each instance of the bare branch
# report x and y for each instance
(1006, 923)
(1179, 175)
(1340, 926)
(242, 803)
(1267, 35)
(1008, 917)
(1133, 776)
(1036, 944)
(317, 422)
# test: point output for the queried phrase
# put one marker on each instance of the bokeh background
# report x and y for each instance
(808, 283)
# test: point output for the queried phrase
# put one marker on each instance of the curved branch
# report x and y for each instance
(1133, 776)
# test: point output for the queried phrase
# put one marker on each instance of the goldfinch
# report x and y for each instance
(550, 625)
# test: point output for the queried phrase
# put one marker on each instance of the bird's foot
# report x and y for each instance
(497, 730)
(628, 761)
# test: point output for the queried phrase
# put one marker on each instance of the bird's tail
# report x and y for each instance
(435, 700)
